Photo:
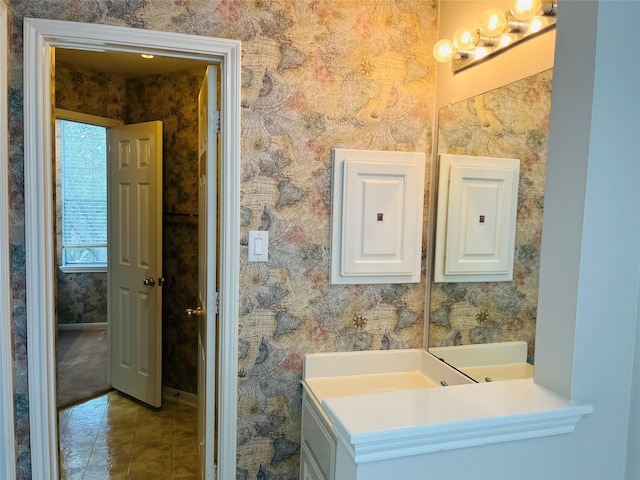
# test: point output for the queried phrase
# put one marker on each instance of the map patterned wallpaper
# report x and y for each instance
(316, 74)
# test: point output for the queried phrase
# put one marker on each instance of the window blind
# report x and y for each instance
(82, 148)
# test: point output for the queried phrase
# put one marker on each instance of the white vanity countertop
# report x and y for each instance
(389, 404)
(408, 422)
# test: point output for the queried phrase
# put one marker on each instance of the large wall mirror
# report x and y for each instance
(511, 121)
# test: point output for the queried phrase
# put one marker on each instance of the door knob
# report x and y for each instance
(150, 282)
(194, 312)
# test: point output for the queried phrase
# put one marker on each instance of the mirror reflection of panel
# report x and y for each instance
(510, 121)
(476, 221)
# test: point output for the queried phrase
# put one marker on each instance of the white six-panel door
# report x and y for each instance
(135, 260)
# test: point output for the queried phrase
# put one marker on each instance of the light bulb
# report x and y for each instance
(443, 50)
(480, 52)
(505, 40)
(536, 25)
(465, 39)
(526, 9)
(492, 23)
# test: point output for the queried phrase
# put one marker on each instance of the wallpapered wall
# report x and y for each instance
(511, 121)
(317, 74)
(82, 297)
(340, 74)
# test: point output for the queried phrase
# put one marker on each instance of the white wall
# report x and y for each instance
(609, 272)
(633, 459)
(590, 268)
(607, 303)
(571, 112)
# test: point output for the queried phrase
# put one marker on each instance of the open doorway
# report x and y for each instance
(154, 238)
(129, 89)
(40, 36)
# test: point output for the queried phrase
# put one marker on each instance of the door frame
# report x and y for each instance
(39, 37)
(7, 432)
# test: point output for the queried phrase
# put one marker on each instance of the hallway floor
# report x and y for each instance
(112, 438)
(82, 365)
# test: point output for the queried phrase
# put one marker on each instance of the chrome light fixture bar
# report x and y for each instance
(496, 32)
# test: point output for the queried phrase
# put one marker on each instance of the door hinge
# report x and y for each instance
(217, 303)
(214, 121)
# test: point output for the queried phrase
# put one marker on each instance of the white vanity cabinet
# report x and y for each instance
(352, 374)
(317, 445)
(384, 414)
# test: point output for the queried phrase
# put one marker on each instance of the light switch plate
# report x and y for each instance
(258, 246)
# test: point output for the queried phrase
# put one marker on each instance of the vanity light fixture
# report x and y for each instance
(496, 31)
(492, 23)
(444, 50)
(526, 9)
(465, 39)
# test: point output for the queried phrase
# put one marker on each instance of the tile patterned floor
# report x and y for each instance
(114, 438)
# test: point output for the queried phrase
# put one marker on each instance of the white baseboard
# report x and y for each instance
(179, 396)
(82, 326)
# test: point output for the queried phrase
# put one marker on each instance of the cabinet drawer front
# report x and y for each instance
(320, 441)
(309, 469)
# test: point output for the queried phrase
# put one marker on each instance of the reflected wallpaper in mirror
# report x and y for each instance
(510, 121)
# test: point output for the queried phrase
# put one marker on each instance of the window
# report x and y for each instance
(81, 152)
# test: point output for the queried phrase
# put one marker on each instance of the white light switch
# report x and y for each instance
(258, 246)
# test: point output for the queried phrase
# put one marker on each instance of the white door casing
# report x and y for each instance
(135, 260)
(207, 270)
(39, 37)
